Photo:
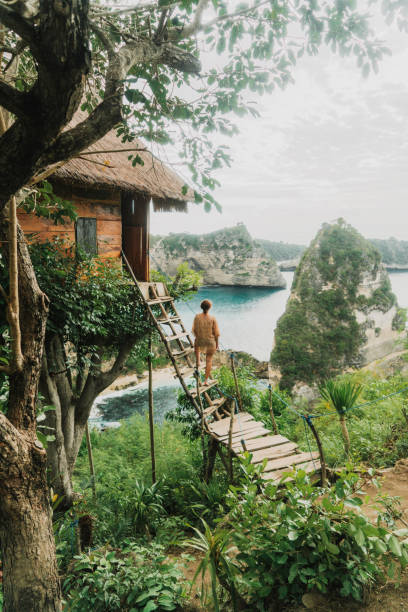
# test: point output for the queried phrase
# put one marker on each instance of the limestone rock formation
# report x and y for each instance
(341, 312)
(226, 257)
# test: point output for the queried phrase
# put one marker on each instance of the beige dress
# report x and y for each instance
(206, 332)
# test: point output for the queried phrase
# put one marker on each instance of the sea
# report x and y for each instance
(247, 317)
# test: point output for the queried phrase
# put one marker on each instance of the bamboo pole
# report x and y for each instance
(274, 425)
(151, 406)
(236, 382)
(90, 459)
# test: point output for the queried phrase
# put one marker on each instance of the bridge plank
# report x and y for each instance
(274, 452)
(286, 462)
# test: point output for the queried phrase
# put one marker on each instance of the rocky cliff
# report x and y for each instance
(226, 257)
(341, 311)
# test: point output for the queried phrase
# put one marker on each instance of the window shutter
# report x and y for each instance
(85, 235)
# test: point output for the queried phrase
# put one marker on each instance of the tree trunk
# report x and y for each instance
(345, 434)
(72, 409)
(30, 573)
(30, 576)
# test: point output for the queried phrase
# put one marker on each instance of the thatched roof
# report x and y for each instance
(106, 164)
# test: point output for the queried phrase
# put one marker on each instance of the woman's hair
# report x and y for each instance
(206, 305)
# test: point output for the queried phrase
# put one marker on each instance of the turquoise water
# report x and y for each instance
(247, 318)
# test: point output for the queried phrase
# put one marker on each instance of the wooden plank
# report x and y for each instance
(108, 228)
(205, 388)
(171, 319)
(160, 301)
(160, 289)
(250, 435)
(309, 467)
(246, 425)
(177, 336)
(107, 250)
(186, 373)
(108, 211)
(265, 442)
(274, 452)
(183, 353)
(110, 239)
(244, 428)
(144, 288)
(223, 426)
(215, 405)
(286, 462)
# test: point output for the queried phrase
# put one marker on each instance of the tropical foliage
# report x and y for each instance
(273, 548)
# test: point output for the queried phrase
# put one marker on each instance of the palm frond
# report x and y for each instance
(341, 395)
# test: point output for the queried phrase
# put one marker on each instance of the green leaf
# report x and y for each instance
(332, 548)
(394, 546)
(150, 606)
(359, 537)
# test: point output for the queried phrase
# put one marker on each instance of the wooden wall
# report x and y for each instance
(105, 207)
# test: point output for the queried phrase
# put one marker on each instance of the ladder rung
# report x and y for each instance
(183, 353)
(176, 336)
(159, 300)
(215, 404)
(204, 388)
(186, 373)
(169, 320)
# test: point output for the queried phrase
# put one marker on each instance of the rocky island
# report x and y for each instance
(228, 257)
(341, 312)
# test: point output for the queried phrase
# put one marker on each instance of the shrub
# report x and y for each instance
(307, 538)
(137, 578)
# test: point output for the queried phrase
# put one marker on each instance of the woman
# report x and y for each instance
(206, 332)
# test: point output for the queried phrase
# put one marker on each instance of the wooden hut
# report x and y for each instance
(112, 199)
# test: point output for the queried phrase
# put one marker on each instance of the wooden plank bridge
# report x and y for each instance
(238, 432)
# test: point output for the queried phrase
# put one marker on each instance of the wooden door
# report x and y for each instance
(135, 233)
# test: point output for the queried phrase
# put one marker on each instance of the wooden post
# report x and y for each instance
(231, 473)
(274, 425)
(90, 459)
(151, 424)
(200, 402)
(320, 448)
(212, 452)
(236, 382)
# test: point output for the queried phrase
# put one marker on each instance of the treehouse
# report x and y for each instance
(112, 199)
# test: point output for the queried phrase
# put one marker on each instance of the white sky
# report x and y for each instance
(331, 145)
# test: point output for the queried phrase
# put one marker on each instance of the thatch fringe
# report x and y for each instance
(169, 205)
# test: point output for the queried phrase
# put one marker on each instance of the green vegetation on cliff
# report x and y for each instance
(392, 251)
(281, 250)
(319, 334)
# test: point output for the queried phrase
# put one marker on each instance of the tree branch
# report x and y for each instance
(71, 142)
(12, 20)
(195, 25)
(13, 100)
(13, 307)
(95, 384)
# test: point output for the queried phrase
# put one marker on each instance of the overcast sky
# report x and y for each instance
(331, 145)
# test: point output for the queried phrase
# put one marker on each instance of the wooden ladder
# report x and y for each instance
(179, 345)
(217, 419)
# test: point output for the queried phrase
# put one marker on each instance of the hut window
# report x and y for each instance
(85, 235)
